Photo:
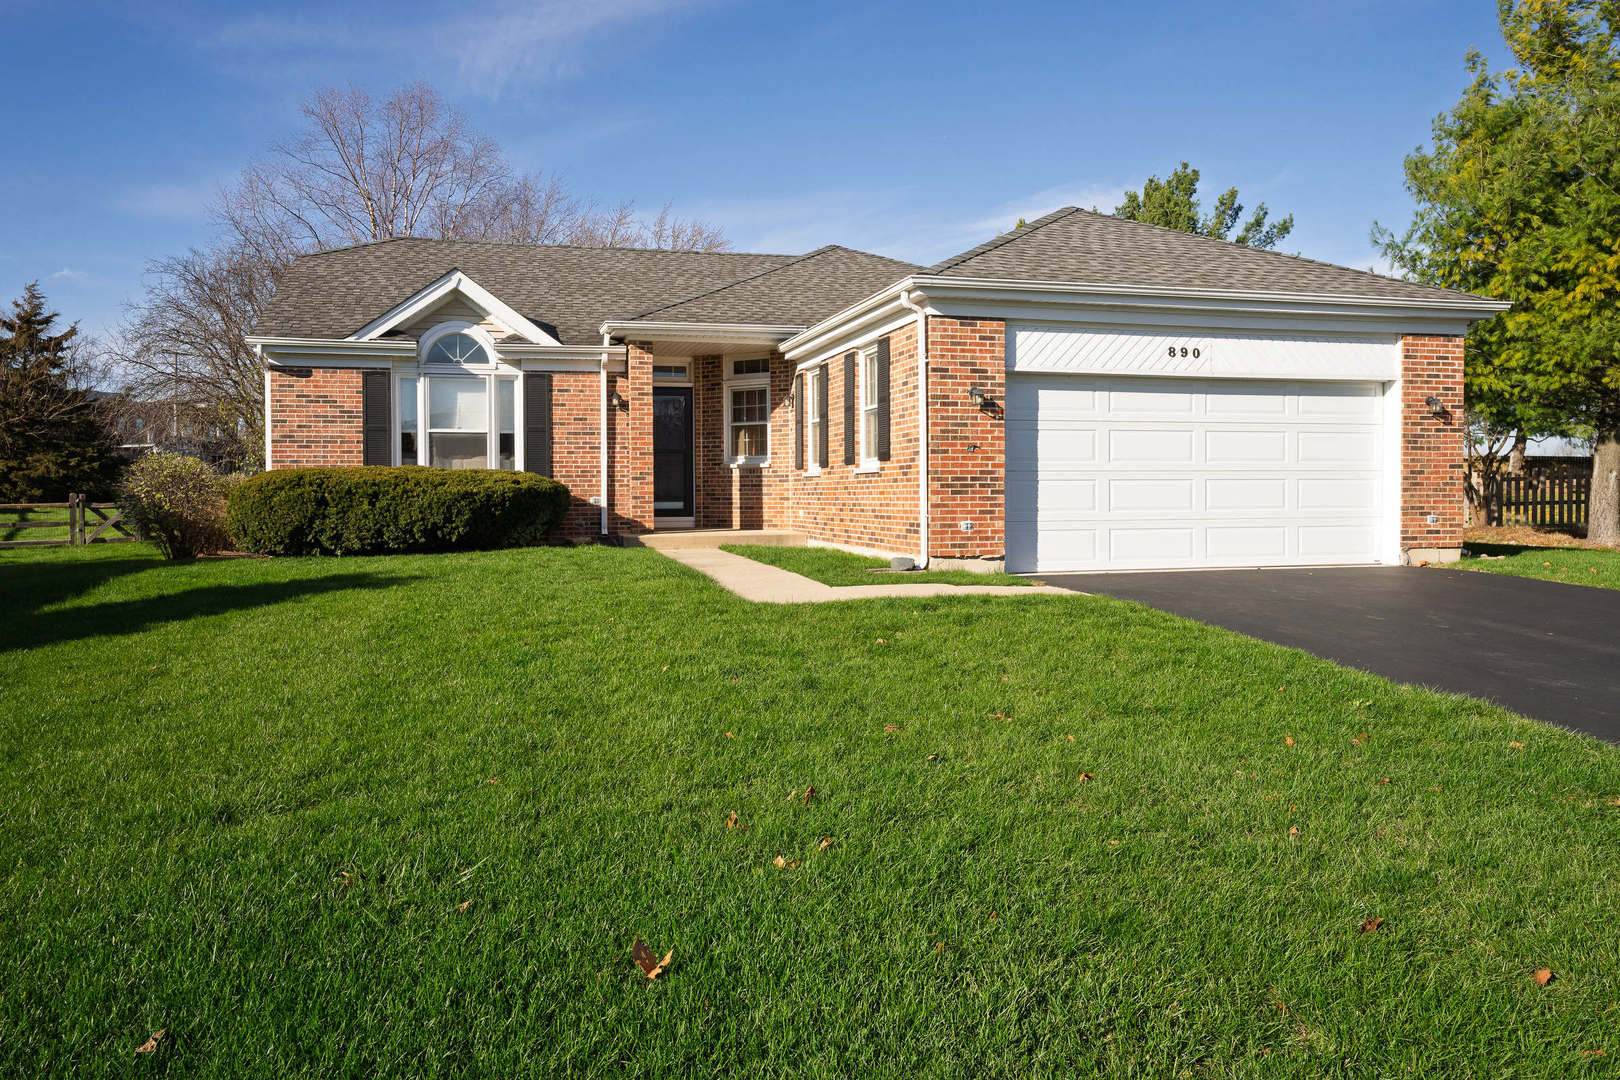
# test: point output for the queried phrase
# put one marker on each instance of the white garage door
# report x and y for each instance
(1124, 473)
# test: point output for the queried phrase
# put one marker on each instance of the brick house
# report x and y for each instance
(1081, 393)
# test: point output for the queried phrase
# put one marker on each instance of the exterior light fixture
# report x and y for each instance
(976, 394)
(616, 400)
(1436, 406)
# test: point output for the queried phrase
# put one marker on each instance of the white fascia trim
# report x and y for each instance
(575, 363)
(930, 288)
(454, 281)
(857, 336)
(725, 333)
(1089, 294)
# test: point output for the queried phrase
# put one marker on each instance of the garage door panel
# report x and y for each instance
(1228, 494)
(1132, 472)
(1238, 446)
(1246, 542)
(1155, 494)
(1135, 446)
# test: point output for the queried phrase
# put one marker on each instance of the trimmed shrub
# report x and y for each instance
(376, 509)
(178, 503)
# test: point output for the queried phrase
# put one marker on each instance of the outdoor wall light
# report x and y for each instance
(1436, 406)
(976, 395)
(616, 400)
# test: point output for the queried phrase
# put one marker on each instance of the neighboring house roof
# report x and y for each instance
(1085, 247)
(796, 293)
(572, 289)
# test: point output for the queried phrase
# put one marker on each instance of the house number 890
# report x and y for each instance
(1184, 351)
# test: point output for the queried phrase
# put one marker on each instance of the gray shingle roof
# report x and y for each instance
(796, 293)
(571, 289)
(1082, 246)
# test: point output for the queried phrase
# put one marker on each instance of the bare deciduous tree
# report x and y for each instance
(359, 171)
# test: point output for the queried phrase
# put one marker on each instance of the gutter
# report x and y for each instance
(922, 425)
(602, 464)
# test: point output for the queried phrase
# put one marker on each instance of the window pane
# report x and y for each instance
(869, 433)
(458, 450)
(457, 348)
(505, 396)
(407, 421)
(869, 379)
(508, 450)
(748, 406)
(669, 371)
(751, 367)
(457, 404)
(750, 440)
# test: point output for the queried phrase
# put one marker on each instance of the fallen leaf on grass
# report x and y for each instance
(664, 668)
(1371, 925)
(731, 822)
(1546, 564)
(150, 1045)
(1069, 737)
(998, 715)
(1614, 802)
(809, 793)
(882, 641)
(1543, 976)
(650, 965)
(493, 780)
(939, 946)
(891, 727)
(1288, 740)
(731, 734)
(826, 842)
(782, 862)
(1293, 830)
(1361, 737)
(462, 907)
(1384, 780)
(1592, 1053)
(931, 757)
(1085, 778)
(1515, 746)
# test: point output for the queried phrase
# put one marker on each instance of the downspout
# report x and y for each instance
(922, 426)
(602, 464)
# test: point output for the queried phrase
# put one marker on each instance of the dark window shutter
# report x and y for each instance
(821, 432)
(883, 399)
(798, 425)
(537, 422)
(849, 408)
(376, 418)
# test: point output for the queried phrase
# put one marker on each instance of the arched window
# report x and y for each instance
(459, 347)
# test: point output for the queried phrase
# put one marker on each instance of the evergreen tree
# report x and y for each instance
(52, 441)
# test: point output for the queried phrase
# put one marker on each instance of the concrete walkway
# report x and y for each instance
(772, 585)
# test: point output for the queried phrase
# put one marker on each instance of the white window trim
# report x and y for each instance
(491, 373)
(756, 381)
(867, 460)
(812, 409)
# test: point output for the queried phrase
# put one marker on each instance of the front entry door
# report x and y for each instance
(672, 453)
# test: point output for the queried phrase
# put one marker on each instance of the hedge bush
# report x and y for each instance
(176, 502)
(376, 510)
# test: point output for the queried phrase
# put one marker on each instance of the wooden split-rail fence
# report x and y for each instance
(86, 522)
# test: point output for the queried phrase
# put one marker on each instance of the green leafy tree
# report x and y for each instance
(52, 441)
(1173, 203)
(1519, 198)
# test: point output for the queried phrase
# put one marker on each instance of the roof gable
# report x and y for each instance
(453, 284)
(1085, 247)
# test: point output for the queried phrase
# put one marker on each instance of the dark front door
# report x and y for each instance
(672, 452)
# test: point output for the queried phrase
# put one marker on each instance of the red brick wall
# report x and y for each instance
(631, 509)
(1432, 448)
(733, 498)
(967, 459)
(315, 417)
(844, 505)
(576, 419)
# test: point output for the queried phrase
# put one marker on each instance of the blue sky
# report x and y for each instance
(911, 130)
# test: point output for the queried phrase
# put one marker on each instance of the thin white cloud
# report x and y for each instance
(67, 273)
(491, 47)
(887, 222)
(170, 202)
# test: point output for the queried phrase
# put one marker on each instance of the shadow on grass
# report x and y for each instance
(31, 628)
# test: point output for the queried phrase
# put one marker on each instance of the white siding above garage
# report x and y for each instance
(1215, 353)
(1111, 472)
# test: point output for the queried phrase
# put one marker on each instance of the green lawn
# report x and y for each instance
(8, 518)
(244, 800)
(833, 567)
(1577, 566)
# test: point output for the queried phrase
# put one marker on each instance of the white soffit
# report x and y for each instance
(1211, 354)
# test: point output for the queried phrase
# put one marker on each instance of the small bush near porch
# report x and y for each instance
(405, 816)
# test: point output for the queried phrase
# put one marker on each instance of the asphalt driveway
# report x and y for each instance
(1543, 649)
